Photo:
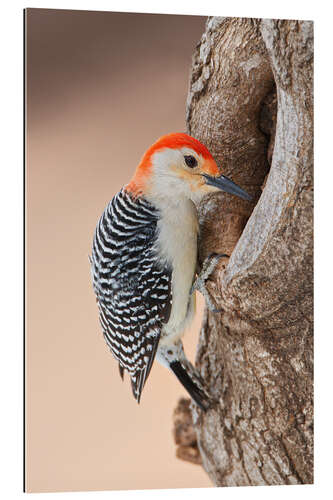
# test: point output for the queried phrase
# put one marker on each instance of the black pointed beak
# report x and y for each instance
(227, 185)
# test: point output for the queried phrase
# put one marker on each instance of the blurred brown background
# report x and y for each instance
(101, 87)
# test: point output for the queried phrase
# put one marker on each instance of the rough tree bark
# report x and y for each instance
(257, 355)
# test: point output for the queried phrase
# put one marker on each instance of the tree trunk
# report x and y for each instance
(257, 355)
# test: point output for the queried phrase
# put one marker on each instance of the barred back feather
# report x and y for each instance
(132, 285)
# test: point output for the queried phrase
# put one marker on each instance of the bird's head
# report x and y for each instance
(177, 165)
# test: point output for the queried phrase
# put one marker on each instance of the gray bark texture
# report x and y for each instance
(250, 102)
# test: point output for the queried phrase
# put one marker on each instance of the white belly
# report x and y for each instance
(178, 230)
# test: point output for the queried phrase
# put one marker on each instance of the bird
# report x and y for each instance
(144, 261)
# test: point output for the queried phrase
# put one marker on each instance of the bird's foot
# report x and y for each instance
(199, 283)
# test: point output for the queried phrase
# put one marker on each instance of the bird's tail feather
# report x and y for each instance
(197, 393)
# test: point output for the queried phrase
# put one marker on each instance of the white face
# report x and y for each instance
(177, 173)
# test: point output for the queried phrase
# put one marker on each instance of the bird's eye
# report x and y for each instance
(190, 161)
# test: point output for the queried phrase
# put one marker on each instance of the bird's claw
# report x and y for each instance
(199, 283)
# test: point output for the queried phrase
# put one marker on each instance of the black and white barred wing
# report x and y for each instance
(133, 289)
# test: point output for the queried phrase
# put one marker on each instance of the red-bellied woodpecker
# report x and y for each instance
(144, 260)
